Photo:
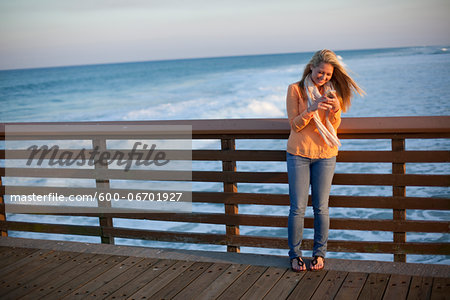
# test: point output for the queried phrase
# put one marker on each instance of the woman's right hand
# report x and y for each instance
(322, 103)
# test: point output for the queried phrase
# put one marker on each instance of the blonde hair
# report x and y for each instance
(345, 86)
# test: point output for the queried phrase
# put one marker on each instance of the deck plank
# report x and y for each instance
(352, 286)
(140, 281)
(374, 287)
(202, 282)
(28, 279)
(22, 262)
(264, 284)
(222, 282)
(308, 285)
(104, 278)
(58, 276)
(160, 281)
(397, 287)
(78, 280)
(33, 264)
(122, 279)
(243, 283)
(181, 281)
(420, 288)
(14, 255)
(285, 285)
(58, 285)
(330, 285)
(440, 289)
(5, 249)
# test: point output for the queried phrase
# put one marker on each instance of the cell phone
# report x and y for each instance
(330, 93)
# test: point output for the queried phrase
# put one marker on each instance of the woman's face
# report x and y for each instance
(322, 74)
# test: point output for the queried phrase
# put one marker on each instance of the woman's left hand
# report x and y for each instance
(333, 101)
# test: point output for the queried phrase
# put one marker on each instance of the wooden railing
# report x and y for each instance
(396, 130)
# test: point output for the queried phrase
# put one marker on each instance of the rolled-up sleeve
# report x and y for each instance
(335, 119)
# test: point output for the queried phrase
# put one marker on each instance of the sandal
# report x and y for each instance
(315, 261)
(300, 263)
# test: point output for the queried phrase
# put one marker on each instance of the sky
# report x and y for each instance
(43, 33)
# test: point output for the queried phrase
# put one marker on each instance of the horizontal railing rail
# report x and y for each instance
(393, 131)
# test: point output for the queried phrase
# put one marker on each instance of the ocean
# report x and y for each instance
(413, 81)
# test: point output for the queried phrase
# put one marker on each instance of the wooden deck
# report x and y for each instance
(88, 271)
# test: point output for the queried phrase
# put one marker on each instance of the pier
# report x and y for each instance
(35, 269)
(138, 272)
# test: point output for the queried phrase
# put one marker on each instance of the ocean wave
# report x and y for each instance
(271, 106)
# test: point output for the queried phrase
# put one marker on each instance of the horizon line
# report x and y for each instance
(200, 58)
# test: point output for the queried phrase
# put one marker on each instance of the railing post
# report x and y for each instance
(230, 187)
(2, 210)
(399, 191)
(100, 146)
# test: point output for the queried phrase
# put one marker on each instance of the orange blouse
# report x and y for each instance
(305, 139)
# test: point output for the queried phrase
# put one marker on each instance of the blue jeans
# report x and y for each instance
(303, 172)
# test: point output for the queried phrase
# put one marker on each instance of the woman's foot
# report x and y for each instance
(317, 263)
(297, 264)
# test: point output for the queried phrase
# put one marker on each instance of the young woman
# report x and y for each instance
(314, 106)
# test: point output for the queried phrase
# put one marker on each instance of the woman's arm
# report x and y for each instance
(335, 118)
(297, 112)
(335, 109)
